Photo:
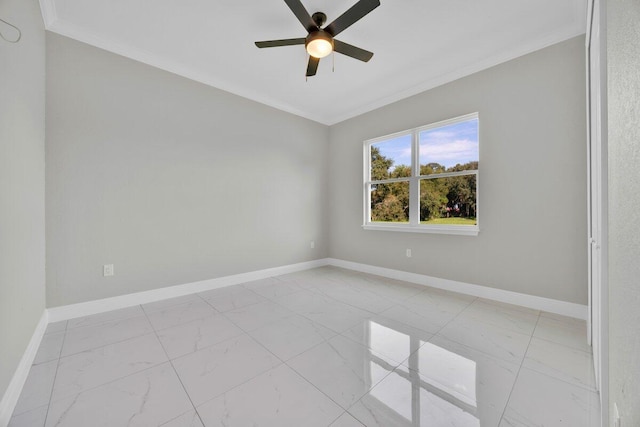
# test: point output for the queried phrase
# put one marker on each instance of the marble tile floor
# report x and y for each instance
(323, 347)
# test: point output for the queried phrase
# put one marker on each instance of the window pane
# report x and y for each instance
(449, 148)
(448, 201)
(390, 202)
(391, 158)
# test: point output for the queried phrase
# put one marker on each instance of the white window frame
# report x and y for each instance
(414, 226)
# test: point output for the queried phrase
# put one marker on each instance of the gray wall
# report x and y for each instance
(623, 68)
(170, 180)
(22, 293)
(532, 179)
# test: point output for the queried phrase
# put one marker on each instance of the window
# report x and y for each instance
(424, 179)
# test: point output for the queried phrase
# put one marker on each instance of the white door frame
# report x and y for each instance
(597, 170)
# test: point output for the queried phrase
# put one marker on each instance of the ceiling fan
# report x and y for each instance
(320, 42)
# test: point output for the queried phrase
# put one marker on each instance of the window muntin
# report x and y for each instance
(424, 179)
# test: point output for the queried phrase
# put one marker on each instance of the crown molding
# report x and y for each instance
(49, 14)
(67, 29)
(72, 31)
(459, 73)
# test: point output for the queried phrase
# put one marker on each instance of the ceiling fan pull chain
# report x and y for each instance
(333, 61)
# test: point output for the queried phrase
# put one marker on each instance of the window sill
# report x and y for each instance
(464, 230)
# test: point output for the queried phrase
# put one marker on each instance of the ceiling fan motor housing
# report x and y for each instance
(319, 18)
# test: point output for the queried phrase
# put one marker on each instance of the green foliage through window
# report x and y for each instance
(447, 188)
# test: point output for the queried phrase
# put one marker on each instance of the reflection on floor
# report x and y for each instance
(324, 347)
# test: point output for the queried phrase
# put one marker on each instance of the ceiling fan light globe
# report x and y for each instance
(319, 44)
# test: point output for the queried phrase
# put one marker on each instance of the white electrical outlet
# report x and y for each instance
(107, 270)
(616, 416)
(312, 244)
(408, 253)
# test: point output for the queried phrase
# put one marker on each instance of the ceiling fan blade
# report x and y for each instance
(351, 16)
(301, 13)
(313, 66)
(277, 43)
(352, 51)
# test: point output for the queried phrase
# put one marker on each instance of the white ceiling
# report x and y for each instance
(418, 44)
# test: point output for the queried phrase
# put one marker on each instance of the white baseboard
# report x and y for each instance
(66, 312)
(11, 395)
(530, 301)
(107, 304)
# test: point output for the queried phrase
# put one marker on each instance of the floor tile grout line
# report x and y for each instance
(182, 322)
(195, 411)
(455, 317)
(408, 357)
(40, 347)
(241, 384)
(395, 302)
(225, 314)
(197, 294)
(55, 376)
(344, 411)
(236, 308)
(382, 314)
(478, 350)
(437, 334)
(283, 362)
(67, 328)
(76, 328)
(248, 333)
(329, 397)
(273, 298)
(110, 381)
(515, 380)
(307, 317)
(175, 372)
(121, 377)
(590, 353)
(355, 306)
(372, 291)
(357, 400)
(104, 322)
(379, 382)
(580, 386)
(207, 346)
(268, 370)
(111, 343)
(243, 332)
(216, 313)
(352, 286)
(324, 340)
